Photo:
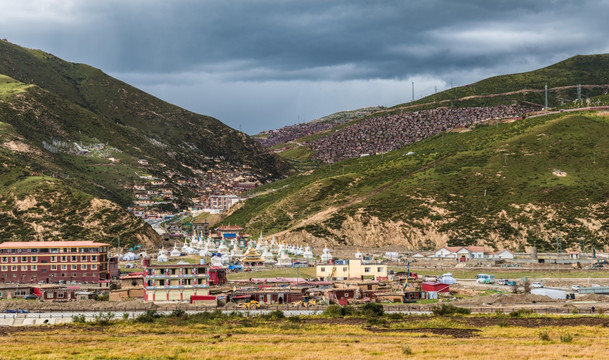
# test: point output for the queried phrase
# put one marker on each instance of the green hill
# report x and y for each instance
(510, 185)
(67, 120)
(590, 71)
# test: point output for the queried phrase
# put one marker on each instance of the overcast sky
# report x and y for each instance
(260, 64)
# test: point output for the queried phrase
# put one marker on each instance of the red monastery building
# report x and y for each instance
(53, 262)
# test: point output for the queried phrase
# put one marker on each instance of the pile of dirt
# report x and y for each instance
(594, 297)
(511, 299)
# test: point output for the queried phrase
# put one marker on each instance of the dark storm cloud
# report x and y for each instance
(307, 46)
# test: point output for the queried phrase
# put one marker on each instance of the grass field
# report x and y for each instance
(388, 337)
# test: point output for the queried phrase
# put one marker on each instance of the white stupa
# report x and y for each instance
(307, 254)
(268, 257)
(326, 256)
(175, 252)
(284, 259)
(162, 257)
(223, 249)
(216, 261)
(236, 251)
(226, 258)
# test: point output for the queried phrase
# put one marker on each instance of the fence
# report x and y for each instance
(315, 309)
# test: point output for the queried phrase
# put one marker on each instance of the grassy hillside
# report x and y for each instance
(499, 185)
(562, 79)
(60, 123)
(98, 106)
(35, 206)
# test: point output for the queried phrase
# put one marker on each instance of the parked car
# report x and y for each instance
(447, 279)
(502, 282)
(537, 285)
(575, 287)
(31, 297)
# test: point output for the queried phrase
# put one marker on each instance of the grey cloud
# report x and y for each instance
(161, 45)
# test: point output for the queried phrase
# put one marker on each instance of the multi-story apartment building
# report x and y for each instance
(174, 282)
(53, 262)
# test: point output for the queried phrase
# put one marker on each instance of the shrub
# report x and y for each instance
(521, 313)
(178, 313)
(406, 350)
(372, 310)
(566, 338)
(448, 310)
(125, 316)
(543, 335)
(294, 319)
(79, 318)
(502, 324)
(103, 318)
(148, 317)
(574, 311)
(339, 311)
(273, 315)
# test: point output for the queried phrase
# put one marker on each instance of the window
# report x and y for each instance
(13, 259)
(74, 267)
(44, 250)
(93, 267)
(345, 269)
(64, 258)
(379, 270)
(54, 258)
(93, 257)
(83, 258)
(24, 259)
(34, 258)
(65, 250)
(34, 267)
(23, 267)
(73, 250)
(14, 268)
(4, 268)
(54, 251)
(367, 269)
(34, 251)
(60, 295)
(323, 269)
(4, 259)
(83, 267)
(73, 258)
(64, 267)
(53, 267)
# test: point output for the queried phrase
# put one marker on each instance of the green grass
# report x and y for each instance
(513, 162)
(10, 87)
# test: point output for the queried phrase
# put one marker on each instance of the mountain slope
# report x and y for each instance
(524, 88)
(511, 185)
(151, 128)
(72, 139)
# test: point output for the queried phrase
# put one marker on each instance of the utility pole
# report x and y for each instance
(413, 91)
(546, 91)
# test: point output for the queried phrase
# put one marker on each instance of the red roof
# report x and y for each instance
(50, 244)
(229, 228)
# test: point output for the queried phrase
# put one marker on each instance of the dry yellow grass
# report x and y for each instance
(283, 340)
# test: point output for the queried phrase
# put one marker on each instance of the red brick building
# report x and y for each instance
(54, 262)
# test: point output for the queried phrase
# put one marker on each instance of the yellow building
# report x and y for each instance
(174, 282)
(351, 269)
